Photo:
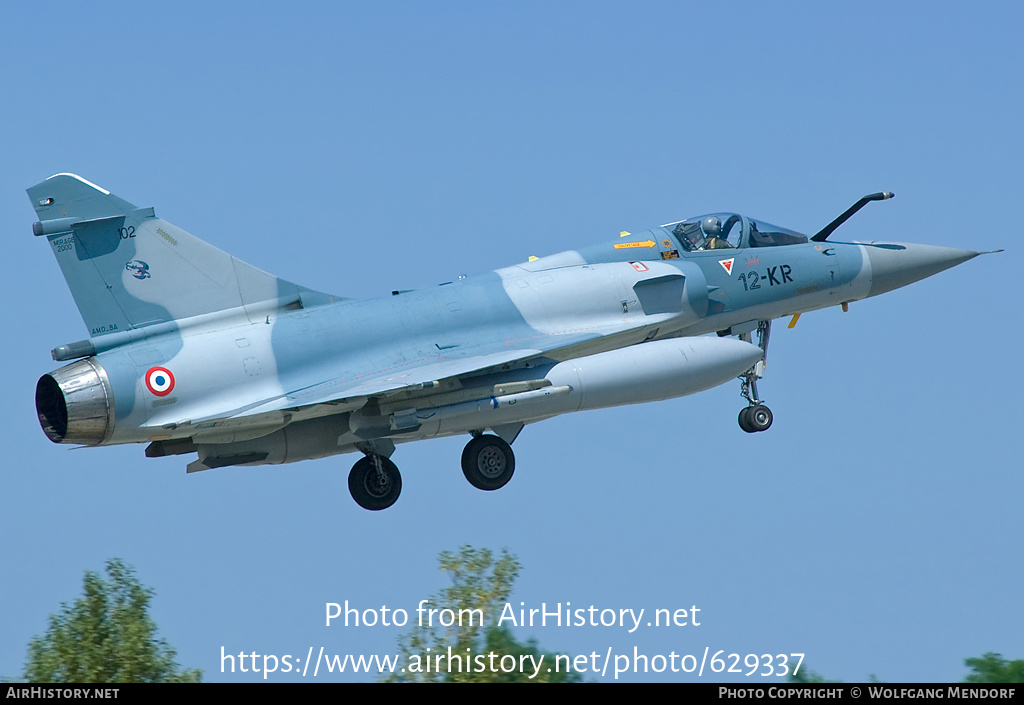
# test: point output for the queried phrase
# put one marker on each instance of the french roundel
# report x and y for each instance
(160, 381)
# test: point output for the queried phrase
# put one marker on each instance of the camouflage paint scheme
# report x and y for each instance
(194, 351)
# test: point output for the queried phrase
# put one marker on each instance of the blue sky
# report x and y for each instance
(358, 148)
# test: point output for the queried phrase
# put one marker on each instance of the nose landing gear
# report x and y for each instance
(756, 417)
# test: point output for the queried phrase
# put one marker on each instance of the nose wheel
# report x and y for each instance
(756, 417)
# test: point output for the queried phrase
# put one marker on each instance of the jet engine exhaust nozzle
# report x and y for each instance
(75, 404)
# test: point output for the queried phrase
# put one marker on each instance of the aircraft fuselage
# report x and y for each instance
(195, 351)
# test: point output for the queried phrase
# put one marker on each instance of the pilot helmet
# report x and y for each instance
(711, 226)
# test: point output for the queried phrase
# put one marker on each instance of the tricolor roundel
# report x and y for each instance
(160, 381)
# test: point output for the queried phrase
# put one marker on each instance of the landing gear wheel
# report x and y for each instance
(374, 489)
(760, 418)
(755, 419)
(744, 421)
(488, 462)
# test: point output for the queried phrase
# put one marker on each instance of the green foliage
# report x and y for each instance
(990, 668)
(993, 668)
(806, 675)
(480, 586)
(501, 641)
(107, 636)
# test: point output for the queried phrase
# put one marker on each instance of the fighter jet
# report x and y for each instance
(195, 352)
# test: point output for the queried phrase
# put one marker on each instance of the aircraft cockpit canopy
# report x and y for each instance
(723, 231)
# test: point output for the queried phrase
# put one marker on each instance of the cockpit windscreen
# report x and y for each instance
(723, 231)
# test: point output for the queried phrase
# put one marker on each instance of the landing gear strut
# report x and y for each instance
(374, 482)
(488, 462)
(756, 416)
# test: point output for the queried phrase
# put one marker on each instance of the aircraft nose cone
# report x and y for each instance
(897, 264)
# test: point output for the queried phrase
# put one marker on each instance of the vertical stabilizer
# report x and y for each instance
(126, 268)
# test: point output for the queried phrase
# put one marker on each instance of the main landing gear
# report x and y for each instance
(488, 462)
(375, 483)
(756, 417)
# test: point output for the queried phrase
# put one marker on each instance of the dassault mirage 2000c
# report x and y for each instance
(194, 351)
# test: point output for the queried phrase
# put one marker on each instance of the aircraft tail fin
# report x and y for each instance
(127, 269)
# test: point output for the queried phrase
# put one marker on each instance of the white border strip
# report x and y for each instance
(87, 183)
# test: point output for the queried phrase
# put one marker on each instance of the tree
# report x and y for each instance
(990, 668)
(107, 636)
(806, 675)
(500, 641)
(993, 668)
(464, 625)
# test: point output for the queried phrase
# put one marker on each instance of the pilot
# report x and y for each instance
(712, 229)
